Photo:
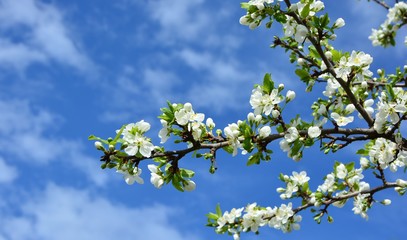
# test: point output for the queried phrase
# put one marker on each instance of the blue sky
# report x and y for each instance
(73, 68)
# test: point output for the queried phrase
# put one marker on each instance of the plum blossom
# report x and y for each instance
(264, 132)
(131, 176)
(383, 153)
(361, 205)
(164, 132)
(194, 121)
(133, 135)
(300, 178)
(156, 179)
(341, 171)
(232, 133)
(328, 184)
(264, 103)
(291, 135)
(314, 132)
(289, 190)
(140, 145)
(341, 120)
(229, 217)
(384, 36)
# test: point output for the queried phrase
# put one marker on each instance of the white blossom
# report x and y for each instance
(264, 132)
(156, 179)
(341, 171)
(132, 176)
(300, 178)
(290, 95)
(339, 23)
(291, 135)
(341, 120)
(189, 185)
(314, 132)
(264, 103)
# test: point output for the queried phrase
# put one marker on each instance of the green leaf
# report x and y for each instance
(176, 182)
(253, 159)
(363, 152)
(324, 20)
(244, 5)
(228, 149)
(119, 133)
(187, 173)
(268, 83)
(93, 137)
(350, 166)
(303, 74)
(305, 11)
(218, 210)
(212, 216)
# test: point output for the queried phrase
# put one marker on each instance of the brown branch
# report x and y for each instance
(382, 3)
(331, 70)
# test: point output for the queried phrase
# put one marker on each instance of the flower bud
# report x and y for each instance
(99, 146)
(280, 87)
(364, 162)
(188, 107)
(189, 185)
(258, 118)
(275, 113)
(218, 132)
(401, 182)
(339, 23)
(210, 124)
(280, 190)
(264, 131)
(328, 54)
(253, 25)
(333, 37)
(290, 95)
(244, 20)
(350, 108)
(111, 148)
(301, 61)
(386, 202)
(251, 117)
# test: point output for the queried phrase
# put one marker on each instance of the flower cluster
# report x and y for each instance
(396, 17)
(252, 217)
(357, 63)
(385, 154)
(390, 108)
(193, 121)
(298, 182)
(183, 116)
(232, 133)
(264, 103)
(255, 12)
(137, 143)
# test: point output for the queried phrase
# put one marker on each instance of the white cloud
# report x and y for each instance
(40, 36)
(179, 20)
(68, 213)
(220, 80)
(8, 173)
(25, 131)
